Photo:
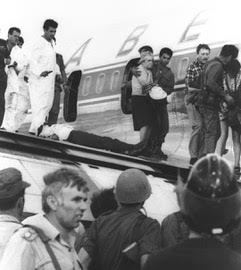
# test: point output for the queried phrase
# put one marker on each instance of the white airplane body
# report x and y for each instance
(103, 63)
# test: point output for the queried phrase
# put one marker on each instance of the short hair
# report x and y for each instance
(61, 178)
(229, 50)
(102, 202)
(202, 46)
(167, 51)
(12, 29)
(21, 40)
(10, 203)
(146, 48)
(50, 23)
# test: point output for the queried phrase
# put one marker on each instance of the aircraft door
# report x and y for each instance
(126, 90)
(71, 96)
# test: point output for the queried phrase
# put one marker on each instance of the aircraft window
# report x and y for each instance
(182, 68)
(114, 80)
(86, 86)
(100, 83)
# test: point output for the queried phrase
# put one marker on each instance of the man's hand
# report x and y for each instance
(7, 61)
(45, 73)
(59, 78)
(66, 87)
(136, 71)
(147, 88)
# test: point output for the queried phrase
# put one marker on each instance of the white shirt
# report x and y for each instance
(8, 225)
(26, 251)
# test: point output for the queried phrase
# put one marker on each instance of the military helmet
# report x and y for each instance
(211, 197)
(132, 187)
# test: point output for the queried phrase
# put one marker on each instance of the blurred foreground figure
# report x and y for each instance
(210, 203)
(125, 238)
(12, 189)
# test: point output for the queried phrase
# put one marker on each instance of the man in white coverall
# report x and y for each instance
(16, 95)
(42, 75)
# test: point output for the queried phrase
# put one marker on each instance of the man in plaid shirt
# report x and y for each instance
(193, 87)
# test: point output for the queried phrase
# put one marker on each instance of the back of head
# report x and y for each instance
(211, 199)
(12, 187)
(229, 50)
(132, 187)
(167, 51)
(63, 177)
(103, 201)
(50, 23)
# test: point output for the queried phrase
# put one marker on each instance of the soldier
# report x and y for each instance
(211, 95)
(47, 241)
(12, 189)
(114, 237)
(210, 204)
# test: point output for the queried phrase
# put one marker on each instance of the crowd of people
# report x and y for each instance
(204, 234)
(30, 82)
(212, 99)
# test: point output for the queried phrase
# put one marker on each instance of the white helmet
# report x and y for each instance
(157, 93)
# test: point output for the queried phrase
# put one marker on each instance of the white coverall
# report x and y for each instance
(16, 95)
(41, 89)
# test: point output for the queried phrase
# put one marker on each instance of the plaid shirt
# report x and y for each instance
(193, 72)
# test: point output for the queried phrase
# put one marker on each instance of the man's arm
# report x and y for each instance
(214, 72)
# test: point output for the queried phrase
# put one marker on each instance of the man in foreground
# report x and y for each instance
(123, 239)
(12, 189)
(47, 241)
(210, 203)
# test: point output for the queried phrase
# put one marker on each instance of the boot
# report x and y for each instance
(158, 153)
(137, 149)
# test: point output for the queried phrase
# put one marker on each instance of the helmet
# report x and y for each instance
(132, 187)
(211, 199)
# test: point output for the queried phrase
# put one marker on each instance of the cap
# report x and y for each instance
(11, 183)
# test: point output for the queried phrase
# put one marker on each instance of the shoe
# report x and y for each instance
(158, 154)
(193, 161)
(136, 150)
